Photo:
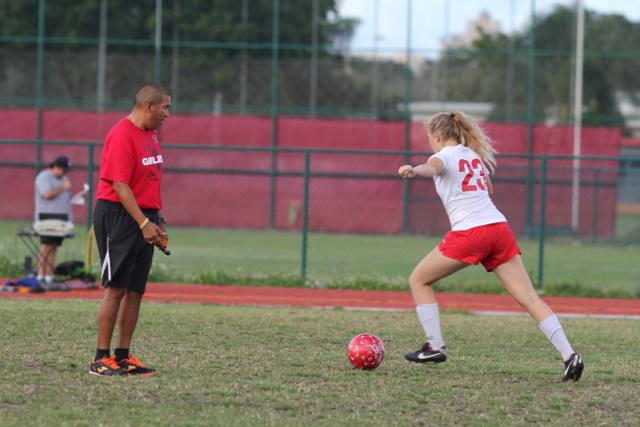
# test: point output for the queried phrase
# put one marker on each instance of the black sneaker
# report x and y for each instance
(573, 368)
(427, 354)
(133, 366)
(106, 367)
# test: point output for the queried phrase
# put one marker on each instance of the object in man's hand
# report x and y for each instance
(164, 246)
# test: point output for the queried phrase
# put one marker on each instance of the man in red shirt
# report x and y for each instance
(127, 224)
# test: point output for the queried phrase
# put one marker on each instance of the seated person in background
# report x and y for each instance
(52, 201)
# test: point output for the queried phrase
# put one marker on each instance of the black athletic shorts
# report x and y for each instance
(124, 255)
(52, 240)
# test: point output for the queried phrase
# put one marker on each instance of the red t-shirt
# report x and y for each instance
(133, 156)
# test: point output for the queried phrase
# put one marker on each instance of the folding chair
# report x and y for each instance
(30, 237)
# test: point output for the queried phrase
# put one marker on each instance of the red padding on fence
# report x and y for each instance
(336, 204)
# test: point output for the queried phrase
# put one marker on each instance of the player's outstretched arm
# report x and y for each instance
(431, 168)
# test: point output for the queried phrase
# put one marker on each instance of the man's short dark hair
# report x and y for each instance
(62, 162)
(149, 93)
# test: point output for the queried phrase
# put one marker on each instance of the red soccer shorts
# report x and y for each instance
(491, 245)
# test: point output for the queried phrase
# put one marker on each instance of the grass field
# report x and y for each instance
(361, 261)
(283, 366)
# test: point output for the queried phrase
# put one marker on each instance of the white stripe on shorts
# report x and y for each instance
(106, 265)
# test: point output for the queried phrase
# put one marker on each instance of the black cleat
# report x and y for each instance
(133, 366)
(573, 368)
(106, 367)
(427, 354)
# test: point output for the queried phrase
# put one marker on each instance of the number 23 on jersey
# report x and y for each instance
(474, 179)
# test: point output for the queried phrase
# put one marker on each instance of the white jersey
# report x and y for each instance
(463, 189)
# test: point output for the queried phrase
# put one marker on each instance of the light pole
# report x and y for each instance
(102, 56)
(313, 64)
(158, 42)
(577, 117)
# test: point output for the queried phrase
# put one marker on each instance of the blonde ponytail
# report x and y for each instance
(464, 130)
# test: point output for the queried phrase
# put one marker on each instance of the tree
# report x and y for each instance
(495, 68)
(212, 42)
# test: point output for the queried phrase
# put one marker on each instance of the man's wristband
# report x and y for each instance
(144, 223)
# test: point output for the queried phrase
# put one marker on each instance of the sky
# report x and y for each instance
(433, 20)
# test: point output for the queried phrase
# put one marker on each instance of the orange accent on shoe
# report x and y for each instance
(135, 367)
(106, 366)
(134, 361)
(109, 361)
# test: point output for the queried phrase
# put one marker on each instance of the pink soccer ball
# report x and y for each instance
(365, 351)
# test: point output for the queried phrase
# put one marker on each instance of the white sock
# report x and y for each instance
(48, 278)
(430, 320)
(552, 329)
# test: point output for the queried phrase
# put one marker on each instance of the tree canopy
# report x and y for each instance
(495, 68)
(211, 43)
(219, 52)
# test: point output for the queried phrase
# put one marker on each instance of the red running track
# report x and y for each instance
(348, 299)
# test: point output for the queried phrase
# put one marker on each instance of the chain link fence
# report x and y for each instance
(514, 61)
(343, 218)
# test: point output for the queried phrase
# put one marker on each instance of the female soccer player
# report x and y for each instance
(479, 233)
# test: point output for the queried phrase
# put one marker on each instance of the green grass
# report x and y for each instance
(628, 229)
(273, 258)
(238, 365)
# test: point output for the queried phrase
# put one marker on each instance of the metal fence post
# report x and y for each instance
(407, 121)
(40, 83)
(274, 109)
(305, 214)
(596, 203)
(542, 227)
(102, 57)
(90, 182)
(157, 65)
(313, 63)
(531, 90)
